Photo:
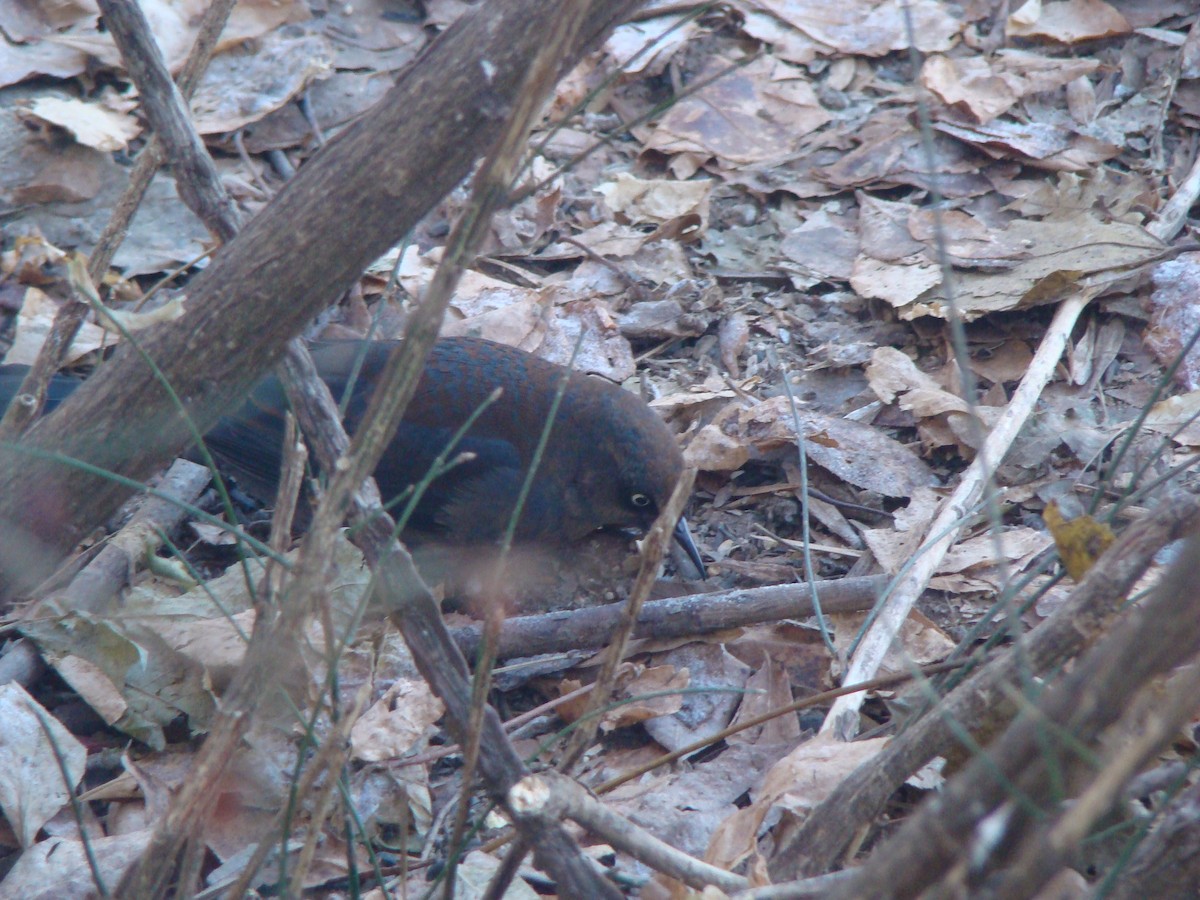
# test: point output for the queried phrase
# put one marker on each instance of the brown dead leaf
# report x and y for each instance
(1067, 21)
(894, 547)
(101, 659)
(664, 680)
(1123, 195)
(38, 54)
(746, 117)
(857, 453)
(57, 867)
(601, 349)
(91, 124)
(802, 30)
(1037, 144)
(684, 807)
(986, 87)
(968, 241)
(659, 320)
(898, 283)
(34, 323)
(239, 89)
(883, 231)
(217, 643)
(1090, 356)
(1064, 251)
(793, 786)
(971, 565)
(1004, 364)
(769, 688)
(35, 752)
(638, 200)
(396, 723)
(824, 244)
(1178, 416)
(663, 35)
(608, 239)
(896, 379)
(716, 679)
(921, 641)
(60, 41)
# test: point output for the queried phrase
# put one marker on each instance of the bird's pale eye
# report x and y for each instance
(641, 501)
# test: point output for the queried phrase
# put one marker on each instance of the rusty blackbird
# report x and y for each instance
(610, 461)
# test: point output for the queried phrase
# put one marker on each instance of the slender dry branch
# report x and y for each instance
(555, 632)
(96, 586)
(557, 795)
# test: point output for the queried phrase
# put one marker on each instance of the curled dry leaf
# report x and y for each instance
(31, 780)
(91, 124)
(1068, 250)
(29, 258)
(396, 723)
(639, 200)
(1067, 21)
(792, 787)
(896, 379)
(747, 116)
(34, 321)
(986, 87)
(856, 453)
(1179, 417)
(802, 30)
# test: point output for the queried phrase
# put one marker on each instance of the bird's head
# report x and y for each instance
(626, 463)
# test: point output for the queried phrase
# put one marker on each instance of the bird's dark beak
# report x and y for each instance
(683, 537)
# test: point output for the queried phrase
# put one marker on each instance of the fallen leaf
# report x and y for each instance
(91, 124)
(1067, 21)
(35, 751)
